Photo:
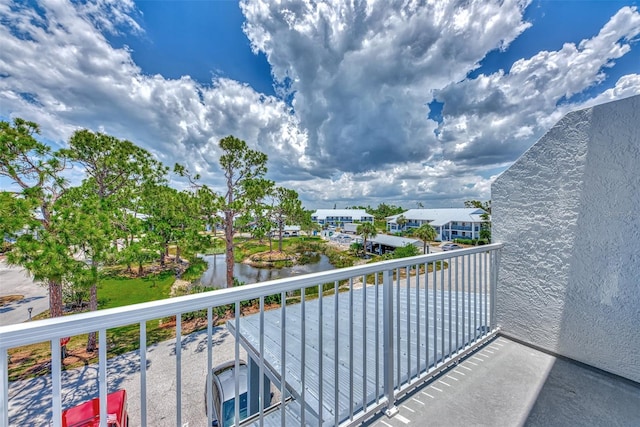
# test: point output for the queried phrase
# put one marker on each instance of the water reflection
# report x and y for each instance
(215, 276)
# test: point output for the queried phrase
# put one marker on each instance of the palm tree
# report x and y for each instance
(366, 230)
(426, 233)
(401, 221)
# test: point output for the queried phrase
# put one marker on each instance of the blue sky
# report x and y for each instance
(197, 38)
(355, 104)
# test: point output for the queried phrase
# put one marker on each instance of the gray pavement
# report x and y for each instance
(16, 281)
(30, 400)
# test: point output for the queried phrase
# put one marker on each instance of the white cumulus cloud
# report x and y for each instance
(349, 124)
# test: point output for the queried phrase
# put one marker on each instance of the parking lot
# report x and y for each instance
(16, 281)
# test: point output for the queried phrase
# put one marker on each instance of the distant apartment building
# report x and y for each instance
(452, 223)
(339, 217)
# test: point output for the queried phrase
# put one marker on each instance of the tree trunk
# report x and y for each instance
(93, 306)
(228, 237)
(280, 237)
(55, 299)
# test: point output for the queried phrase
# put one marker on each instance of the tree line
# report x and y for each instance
(123, 211)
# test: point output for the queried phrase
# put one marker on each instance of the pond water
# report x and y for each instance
(216, 275)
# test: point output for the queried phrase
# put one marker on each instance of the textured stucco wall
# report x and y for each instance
(568, 212)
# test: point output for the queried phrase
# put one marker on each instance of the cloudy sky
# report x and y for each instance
(355, 102)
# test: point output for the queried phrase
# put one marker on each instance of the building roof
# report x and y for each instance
(394, 241)
(347, 315)
(354, 213)
(440, 217)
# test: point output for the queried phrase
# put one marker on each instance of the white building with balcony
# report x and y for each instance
(338, 217)
(451, 223)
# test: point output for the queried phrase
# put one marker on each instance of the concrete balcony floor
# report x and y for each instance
(509, 384)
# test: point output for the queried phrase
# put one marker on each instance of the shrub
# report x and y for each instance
(5, 247)
(465, 241)
(196, 269)
(406, 251)
(308, 258)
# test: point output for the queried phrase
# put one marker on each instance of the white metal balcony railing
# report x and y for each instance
(362, 339)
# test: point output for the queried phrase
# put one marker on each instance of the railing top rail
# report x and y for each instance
(41, 330)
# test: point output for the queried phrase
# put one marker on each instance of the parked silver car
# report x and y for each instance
(223, 387)
(450, 247)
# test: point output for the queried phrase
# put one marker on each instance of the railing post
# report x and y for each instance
(495, 264)
(387, 342)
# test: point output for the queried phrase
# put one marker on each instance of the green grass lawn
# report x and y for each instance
(120, 291)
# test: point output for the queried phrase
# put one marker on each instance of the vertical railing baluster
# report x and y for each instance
(209, 366)
(457, 261)
(364, 343)
(486, 290)
(418, 352)
(303, 342)
(397, 332)
(56, 383)
(283, 357)
(435, 313)
(408, 292)
(351, 348)
(442, 331)
(475, 297)
(427, 341)
(469, 330)
(462, 297)
(449, 292)
(387, 307)
(320, 354)
(102, 374)
(4, 389)
(143, 373)
(236, 321)
(377, 336)
(262, 403)
(179, 369)
(480, 294)
(336, 377)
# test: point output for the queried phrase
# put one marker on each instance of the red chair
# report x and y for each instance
(87, 414)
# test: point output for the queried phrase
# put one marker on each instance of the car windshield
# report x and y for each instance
(229, 409)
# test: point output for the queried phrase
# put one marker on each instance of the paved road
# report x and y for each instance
(16, 281)
(30, 400)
